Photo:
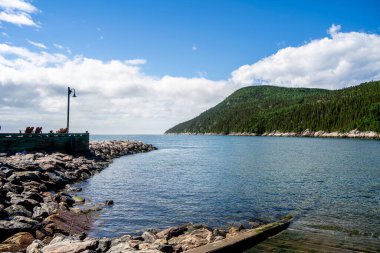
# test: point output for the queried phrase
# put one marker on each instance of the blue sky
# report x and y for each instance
(144, 66)
(190, 38)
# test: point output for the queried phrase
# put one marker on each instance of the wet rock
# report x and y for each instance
(16, 243)
(79, 200)
(109, 202)
(218, 232)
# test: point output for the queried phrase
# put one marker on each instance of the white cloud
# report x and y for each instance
(113, 97)
(17, 12)
(17, 5)
(136, 62)
(58, 46)
(37, 44)
(118, 97)
(334, 29)
(331, 62)
(194, 48)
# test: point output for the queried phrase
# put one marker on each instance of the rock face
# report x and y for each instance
(33, 198)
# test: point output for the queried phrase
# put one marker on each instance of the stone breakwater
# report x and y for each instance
(34, 193)
(307, 133)
(170, 240)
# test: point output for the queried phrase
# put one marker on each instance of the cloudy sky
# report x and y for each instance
(144, 66)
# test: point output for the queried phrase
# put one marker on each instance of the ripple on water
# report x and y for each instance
(332, 185)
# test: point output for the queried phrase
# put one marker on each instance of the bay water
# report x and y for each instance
(331, 186)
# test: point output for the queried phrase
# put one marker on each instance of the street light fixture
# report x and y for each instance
(69, 91)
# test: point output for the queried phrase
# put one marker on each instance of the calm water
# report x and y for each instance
(331, 185)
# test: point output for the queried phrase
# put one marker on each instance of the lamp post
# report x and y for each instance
(69, 91)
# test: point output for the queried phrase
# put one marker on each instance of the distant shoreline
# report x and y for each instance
(353, 134)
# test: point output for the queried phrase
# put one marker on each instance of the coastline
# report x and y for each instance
(39, 208)
(35, 192)
(354, 134)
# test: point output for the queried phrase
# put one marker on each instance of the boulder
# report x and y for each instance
(149, 237)
(69, 246)
(18, 210)
(16, 243)
(121, 247)
(79, 200)
(26, 220)
(194, 239)
(9, 228)
(35, 247)
(44, 210)
(103, 245)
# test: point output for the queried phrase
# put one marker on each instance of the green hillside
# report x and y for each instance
(259, 109)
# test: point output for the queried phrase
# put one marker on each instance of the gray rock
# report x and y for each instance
(18, 210)
(22, 176)
(26, 220)
(149, 237)
(103, 245)
(9, 228)
(44, 210)
(69, 245)
(35, 247)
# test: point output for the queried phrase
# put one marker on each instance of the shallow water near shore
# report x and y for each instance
(332, 186)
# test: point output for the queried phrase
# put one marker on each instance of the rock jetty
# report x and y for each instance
(34, 198)
(171, 240)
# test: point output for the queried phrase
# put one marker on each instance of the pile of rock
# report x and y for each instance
(174, 239)
(33, 200)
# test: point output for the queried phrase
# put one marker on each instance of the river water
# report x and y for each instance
(332, 186)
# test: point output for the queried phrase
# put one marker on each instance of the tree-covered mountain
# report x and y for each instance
(259, 109)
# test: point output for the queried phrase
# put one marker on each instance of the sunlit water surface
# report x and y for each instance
(331, 185)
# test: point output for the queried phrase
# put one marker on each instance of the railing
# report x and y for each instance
(71, 143)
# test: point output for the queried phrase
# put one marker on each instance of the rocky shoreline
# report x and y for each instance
(39, 210)
(34, 198)
(307, 133)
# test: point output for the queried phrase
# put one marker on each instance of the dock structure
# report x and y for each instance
(69, 143)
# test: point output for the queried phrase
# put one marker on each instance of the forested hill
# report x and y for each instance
(259, 109)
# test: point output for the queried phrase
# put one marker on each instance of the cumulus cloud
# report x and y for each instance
(17, 12)
(334, 29)
(341, 60)
(37, 44)
(118, 97)
(113, 96)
